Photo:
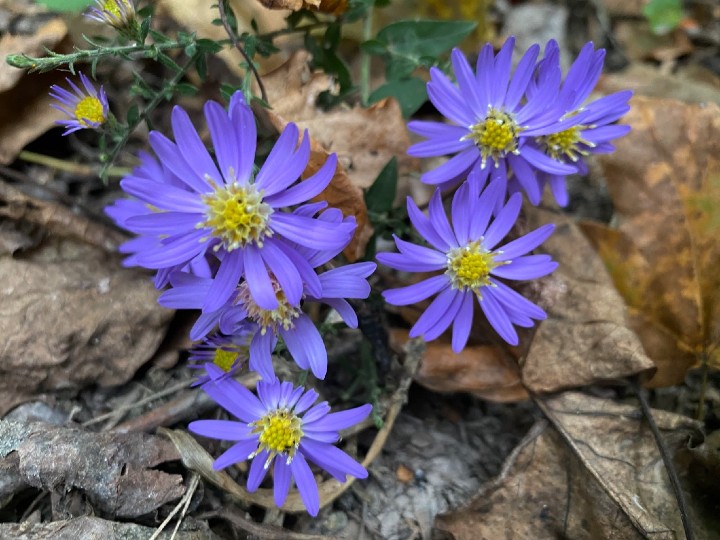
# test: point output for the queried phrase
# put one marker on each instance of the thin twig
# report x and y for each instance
(667, 459)
(77, 169)
(238, 46)
(183, 504)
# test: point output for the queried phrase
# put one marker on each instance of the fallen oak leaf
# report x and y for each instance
(665, 184)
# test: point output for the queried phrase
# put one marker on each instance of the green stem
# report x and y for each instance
(159, 97)
(298, 29)
(365, 57)
(54, 59)
(68, 166)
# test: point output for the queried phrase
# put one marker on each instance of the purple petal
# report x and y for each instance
(225, 142)
(456, 166)
(236, 399)
(179, 250)
(226, 430)
(341, 420)
(306, 345)
(544, 162)
(282, 478)
(416, 292)
(257, 278)
(284, 270)
(497, 317)
(528, 267)
(503, 222)
(447, 99)
(257, 471)
(236, 453)
(158, 223)
(311, 233)
(271, 174)
(225, 282)
(333, 460)
(422, 223)
(526, 177)
(434, 316)
(243, 121)
(525, 243)
(439, 220)
(261, 348)
(467, 84)
(462, 324)
(305, 482)
(308, 188)
(192, 149)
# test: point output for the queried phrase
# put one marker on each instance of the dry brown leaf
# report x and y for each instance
(115, 471)
(664, 180)
(90, 527)
(486, 371)
(596, 474)
(25, 111)
(336, 7)
(586, 337)
(363, 139)
(71, 315)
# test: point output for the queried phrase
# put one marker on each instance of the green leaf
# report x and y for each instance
(399, 67)
(373, 46)
(663, 15)
(411, 94)
(70, 6)
(380, 196)
(424, 37)
(133, 115)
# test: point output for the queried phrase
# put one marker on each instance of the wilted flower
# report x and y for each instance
(229, 353)
(87, 110)
(280, 427)
(471, 262)
(594, 134)
(230, 213)
(120, 14)
(491, 121)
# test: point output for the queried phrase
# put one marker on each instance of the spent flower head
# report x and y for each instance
(281, 428)
(471, 262)
(87, 109)
(229, 353)
(492, 119)
(120, 14)
(224, 210)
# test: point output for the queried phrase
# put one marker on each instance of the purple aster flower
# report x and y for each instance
(491, 121)
(594, 134)
(120, 14)
(281, 428)
(87, 110)
(229, 353)
(226, 211)
(288, 321)
(468, 254)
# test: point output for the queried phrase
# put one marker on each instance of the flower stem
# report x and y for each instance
(78, 169)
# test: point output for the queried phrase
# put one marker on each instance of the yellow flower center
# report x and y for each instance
(280, 433)
(237, 215)
(114, 7)
(566, 144)
(224, 359)
(496, 135)
(282, 316)
(89, 111)
(469, 267)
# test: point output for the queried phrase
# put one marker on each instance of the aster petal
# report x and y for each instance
(446, 319)
(438, 316)
(192, 149)
(447, 99)
(528, 267)
(493, 193)
(438, 130)
(421, 254)
(306, 485)
(544, 162)
(524, 244)
(272, 176)
(158, 223)
(341, 420)
(243, 121)
(172, 158)
(497, 317)
(177, 250)
(484, 71)
(559, 189)
(343, 282)
(344, 309)
(318, 411)
(257, 278)
(467, 84)
(605, 133)
(167, 198)
(306, 345)
(416, 292)
(191, 297)
(440, 146)
(261, 348)
(439, 221)
(461, 216)
(235, 398)
(225, 282)
(205, 323)
(422, 224)
(282, 479)
(509, 297)
(504, 221)
(284, 270)
(332, 459)
(308, 188)
(226, 430)
(305, 401)
(501, 72)
(236, 453)
(257, 471)
(311, 233)
(301, 264)
(526, 177)
(224, 138)
(455, 167)
(462, 324)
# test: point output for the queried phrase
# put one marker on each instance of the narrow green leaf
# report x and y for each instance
(411, 94)
(380, 196)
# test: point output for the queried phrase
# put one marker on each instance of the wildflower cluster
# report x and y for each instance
(508, 133)
(244, 241)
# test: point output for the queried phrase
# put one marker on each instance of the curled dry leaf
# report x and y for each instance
(71, 315)
(595, 473)
(115, 471)
(664, 258)
(363, 139)
(486, 371)
(586, 337)
(25, 111)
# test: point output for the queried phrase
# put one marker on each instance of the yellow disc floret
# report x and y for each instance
(282, 316)
(496, 135)
(566, 144)
(89, 111)
(280, 433)
(469, 267)
(224, 359)
(237, 215)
